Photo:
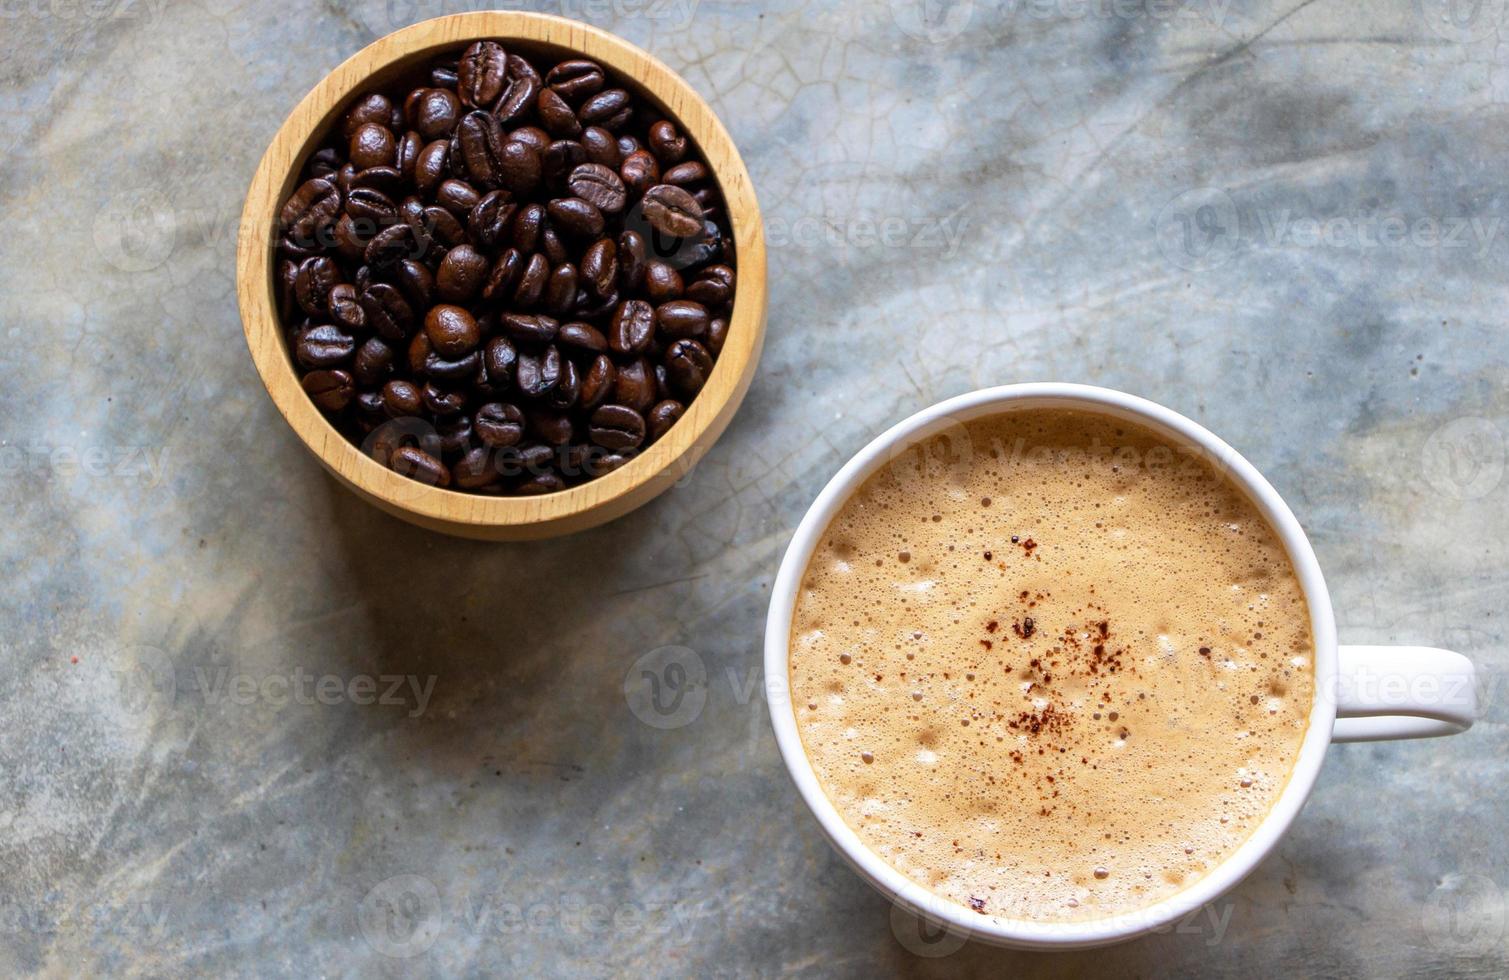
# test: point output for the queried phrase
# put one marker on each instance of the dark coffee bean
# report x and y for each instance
(476, 469)
(456, 437)
(540, 484)
(326, 161)
(371, 108)
(416, 282)
(435, 113)
(597, 382)
(599, 269)
(330, 390)
(538, 374)
(601, 147)
(457, 197)
(576, 79)
(392, 244)
(442, 401)
(312, 285)
(664, 415)
(480, 73)
(499, 362)
(663, 390)
(313, 206)
(560, 159)
(369, 407)
(627, 144)
(662, 282)
(480, 139)
(409, 146)
(324, 346)
(452, 331)
(371, 205)
(517, 100)
(552, 246)
(556, 115)
(344, 308)
(532, 282)
(373, 145)
(639, 172)
(504, 277)
(402, 398)
(576, 217)
(461, 275)
(443, 226)
(527, 224)
(374, 362)
(632, 252)
(717, 332)
(425, 361)
(599, 186)
(682, 174)
(560, 291)
(681, 318)
(551, 427)
(632, 328)
(581, 338)
(387, 181)
(529, 331)
(713, 286)
(590, 308)
(498, 424)
(688, 363)
(672, 211)
(616, 427)
(387, 311)
(520, 67)
(416, 464)
(668, 146)
(488, 221)
(519, 167)
(531, 136)
(565, 394)
(287, 286)
(431, 167)
(351, 237)
(603, 106)
(634, 385)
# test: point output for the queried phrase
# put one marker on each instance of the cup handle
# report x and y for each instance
(1402, 692)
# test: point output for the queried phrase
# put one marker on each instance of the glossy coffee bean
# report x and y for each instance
(633, 327)
(324, 346)
(401, 399)
(461, 274)
(499, 424)
(416, 464)
(688, 363)
(662, 282)
(480, 73)
(672, 211)
(331, 390)
(634, 385)
(616, 427)
(659, 419)
(576, 79)
(681, 318)
(451, 330)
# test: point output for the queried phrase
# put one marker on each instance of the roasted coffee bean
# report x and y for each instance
(324, 346)
(416, 464)
(603, 106)
(560, 159)
(373, 363)
(519, 167)
(313, 206)
(713, 286)
(576, 217)
(663, 390)
(633, 327)
(461, 274)
(402, 398)
(599, 186)
(556, 115)
(351, 237)
(601, 147)
(560, 290)
(531, 282)
(672, 211)
(387, 311)
(540, 484)
(528, 330)
(416, 282)
(409, 146)
(480, 139)
(457, 197)
(435, 113)
(659, 419)
(345, 310)
(488, 221)
(682, 174)
(425, 361)
(616, 427)
(330, 390)
(373, 145)
(392, 244)
(372, 108)
(504, 277)
(575, 80)
(312, 286)
(431, 166)
(456, 437)
(634, 385)
(597, 382)
(565, 394)
(599, 269)
(551, 427)
(476, 469)
(452, 331)
(538, 374)
(581, 338)
(387, 181)
(552, 246)
(517, 100)
(371, 205)
(681, 318)
(717, 332)
(528, 221)
(688, 363)
(531, 136)
(498, 424)
(480, 73)
(443, 226)
(662, 282)
(668, 146)
(639, 172)
(442, 401)
(287, 284)
(499, 362)
(632, 252)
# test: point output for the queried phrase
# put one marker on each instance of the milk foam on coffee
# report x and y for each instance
(1050, 667)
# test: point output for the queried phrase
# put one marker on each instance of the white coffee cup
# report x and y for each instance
(1361, 693)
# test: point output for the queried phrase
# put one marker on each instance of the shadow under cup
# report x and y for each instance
(1367, 714)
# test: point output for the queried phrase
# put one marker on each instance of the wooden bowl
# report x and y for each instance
(470, 515)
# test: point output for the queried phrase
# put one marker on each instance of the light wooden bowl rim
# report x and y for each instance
(652, 471)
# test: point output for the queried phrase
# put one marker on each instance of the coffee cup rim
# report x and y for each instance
(1026, 933)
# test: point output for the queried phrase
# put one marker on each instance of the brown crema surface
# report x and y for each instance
(1051, 667)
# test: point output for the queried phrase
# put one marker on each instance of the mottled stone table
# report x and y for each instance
(1286, 220)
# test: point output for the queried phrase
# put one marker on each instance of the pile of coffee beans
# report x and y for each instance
(504, 280)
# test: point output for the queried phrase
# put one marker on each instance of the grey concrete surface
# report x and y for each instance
(1285, 219)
